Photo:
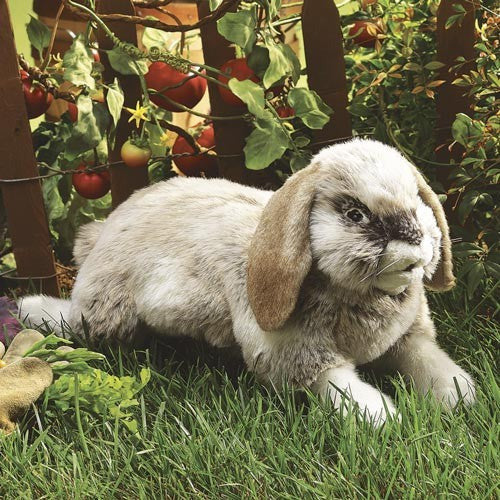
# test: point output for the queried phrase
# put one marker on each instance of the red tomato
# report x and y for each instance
(364, 37)
(37, 99)
(196, 166)
(285, 111)
(162, 75)
(91, 185)
(95, 55)
(135, 156)
(73, 112)
(239, 69)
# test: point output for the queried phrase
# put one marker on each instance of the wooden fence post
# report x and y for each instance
(229, 135)
(324, 51)
(23, 201)
(124, 180)
(458, 40)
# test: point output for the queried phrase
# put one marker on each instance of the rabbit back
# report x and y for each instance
(173, 256)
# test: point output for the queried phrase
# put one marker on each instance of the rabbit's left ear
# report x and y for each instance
(442, 278)
(280, 256)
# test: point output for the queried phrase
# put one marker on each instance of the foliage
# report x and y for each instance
(80, 387)
(393, 88)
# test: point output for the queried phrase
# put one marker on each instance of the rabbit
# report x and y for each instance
(310, 281)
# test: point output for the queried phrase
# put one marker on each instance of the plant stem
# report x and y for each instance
(52, 37)
(202, 115)
(78, 416)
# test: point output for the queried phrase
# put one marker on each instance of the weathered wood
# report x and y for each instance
(124, 180)
(229, 135)
(456, 41)
(23, 202)
(324, 51)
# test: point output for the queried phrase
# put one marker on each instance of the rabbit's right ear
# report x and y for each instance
(280, 254)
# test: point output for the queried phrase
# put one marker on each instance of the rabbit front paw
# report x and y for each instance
(454, 387)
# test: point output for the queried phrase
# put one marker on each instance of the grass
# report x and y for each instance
(208, 430)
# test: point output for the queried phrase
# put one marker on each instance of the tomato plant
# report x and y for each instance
(36, 97)
(135, 153)
(176, 86)
(239, 69)
(204, 165)
(91, 185)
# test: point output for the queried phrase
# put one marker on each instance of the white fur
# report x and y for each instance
(174, 257)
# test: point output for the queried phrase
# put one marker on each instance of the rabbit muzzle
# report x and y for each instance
(402, 263)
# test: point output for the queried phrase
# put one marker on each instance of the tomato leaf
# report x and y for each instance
(239, 28)
(88, 131)
(266, 143)
(250, 93)
(120, 61)
(77, 62)
(309, 107)
(282, 63)
(299, 160)
(152, 37)
(115, 99)
(38, 34)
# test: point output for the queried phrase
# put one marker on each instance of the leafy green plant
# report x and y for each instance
(80, 387)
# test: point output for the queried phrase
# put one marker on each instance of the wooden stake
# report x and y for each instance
(23, 202)
(324, 51)
(124, 180)
(229, 135)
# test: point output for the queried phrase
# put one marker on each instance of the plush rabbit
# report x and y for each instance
(323, 275)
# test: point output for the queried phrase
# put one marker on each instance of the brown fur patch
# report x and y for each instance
(280, 255)
(443, 278)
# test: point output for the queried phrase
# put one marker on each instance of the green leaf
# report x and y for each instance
(282, 63)
(115, 100)
(433, 65)
(267, 143)
(152, 37)
(250, 93)
(460, 128)
(53, 203)
(493, 269)
(38, 34)
(309, 107)
(258, 60)
(77, 62)
(89, 130)
(120, 61)
(467, 204)
(466, 249)
(411, 66)
(239, 28)
(300, 160)
(474, 277)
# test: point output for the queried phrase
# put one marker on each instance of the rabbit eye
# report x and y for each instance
(355, 215)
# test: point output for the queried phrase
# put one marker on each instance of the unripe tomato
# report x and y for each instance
(91, 185)
(365, 33)
(135, 156)
(196, 166)
(162, 75)
(239, 69)
(37, 99)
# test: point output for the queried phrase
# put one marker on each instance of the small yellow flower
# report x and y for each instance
(57, 63)
(138, 114)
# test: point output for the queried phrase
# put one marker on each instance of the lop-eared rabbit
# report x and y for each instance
(323, 275)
